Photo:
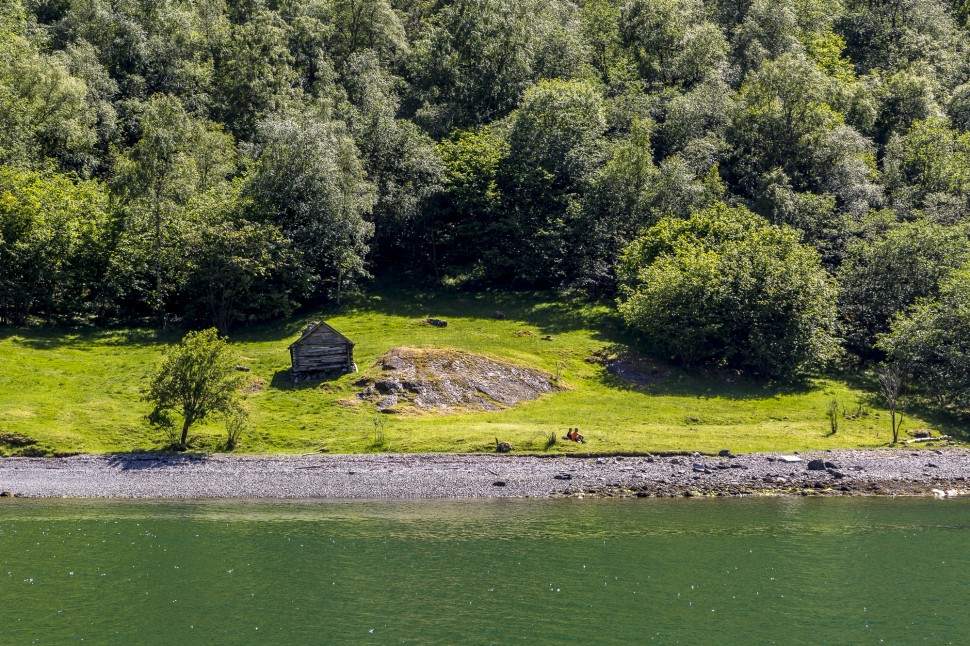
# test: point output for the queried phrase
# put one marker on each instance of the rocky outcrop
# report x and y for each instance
(444, 380)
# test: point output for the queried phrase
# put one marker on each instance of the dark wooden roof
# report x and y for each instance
(322, 334)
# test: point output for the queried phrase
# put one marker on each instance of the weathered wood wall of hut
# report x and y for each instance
(309, 358)
(321, 349)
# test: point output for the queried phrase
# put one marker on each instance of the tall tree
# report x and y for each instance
(237, 271)
(473, 63)
(929, 342)
(891, 35)
(175, 158)
(360, 25)
(601, 32)
(399, 157)
(784, 119)
(929, 161)
(468, 214)
(672, 42)
(556, 144)
(310, 182)
(885, 275)
(253, 75)
(42, 105)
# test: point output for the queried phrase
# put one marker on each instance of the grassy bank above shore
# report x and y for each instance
(79, 390)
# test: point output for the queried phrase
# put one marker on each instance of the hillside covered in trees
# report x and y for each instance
(761, 185)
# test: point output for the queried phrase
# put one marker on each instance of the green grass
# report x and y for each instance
(79, 390)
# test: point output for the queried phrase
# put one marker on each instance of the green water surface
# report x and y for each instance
(751, 571)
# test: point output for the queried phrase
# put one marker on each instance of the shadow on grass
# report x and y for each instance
(630, 371)
(283, 380)
(278, 331)
(550, 312)
(720, 387)
(946, 421)
(45, 338)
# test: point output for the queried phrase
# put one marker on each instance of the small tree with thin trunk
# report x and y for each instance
(197, 378)
(890, 383)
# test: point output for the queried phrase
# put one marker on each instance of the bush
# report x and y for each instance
(726, 288)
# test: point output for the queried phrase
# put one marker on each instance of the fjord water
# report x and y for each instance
(750, 571)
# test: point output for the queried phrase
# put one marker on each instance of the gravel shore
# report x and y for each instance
(882, 472)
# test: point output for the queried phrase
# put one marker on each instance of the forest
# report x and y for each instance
(765, 186)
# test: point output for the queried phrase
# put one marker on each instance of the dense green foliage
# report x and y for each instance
(888, 272)
(931, 340)
(727, 287)
(219, 163)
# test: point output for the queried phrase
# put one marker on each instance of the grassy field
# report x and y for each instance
(79, 390)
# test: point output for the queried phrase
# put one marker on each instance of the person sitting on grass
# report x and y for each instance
(574, 435)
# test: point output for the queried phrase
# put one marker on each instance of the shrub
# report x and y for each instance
(727, 288)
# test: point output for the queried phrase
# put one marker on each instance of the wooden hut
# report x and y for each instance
(321, 349)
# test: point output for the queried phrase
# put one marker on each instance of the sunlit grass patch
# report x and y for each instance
(79, 390)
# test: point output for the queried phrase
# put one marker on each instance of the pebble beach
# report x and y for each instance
(927, 472)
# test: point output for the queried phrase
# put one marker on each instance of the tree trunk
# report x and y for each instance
(159, 304)
(185, 434)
